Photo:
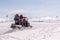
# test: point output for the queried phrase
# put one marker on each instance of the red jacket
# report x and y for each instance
(22, 17)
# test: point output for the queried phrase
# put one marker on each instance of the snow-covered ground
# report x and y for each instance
(40, 31)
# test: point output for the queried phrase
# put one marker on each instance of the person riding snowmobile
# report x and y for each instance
(23, 21)
(16, 19)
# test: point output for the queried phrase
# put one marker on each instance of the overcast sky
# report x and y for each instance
(31, 8)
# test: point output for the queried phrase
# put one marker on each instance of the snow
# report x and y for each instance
(45, 19)
(40, 31)
(4, 20)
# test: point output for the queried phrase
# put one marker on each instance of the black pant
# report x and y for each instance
(17, 22)
(25, 23)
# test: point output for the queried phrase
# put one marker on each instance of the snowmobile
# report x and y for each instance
(21, 24)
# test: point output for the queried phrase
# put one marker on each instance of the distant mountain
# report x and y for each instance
(45, 19)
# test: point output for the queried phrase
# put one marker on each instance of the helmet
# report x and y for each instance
(21, 15)
(15, 14)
